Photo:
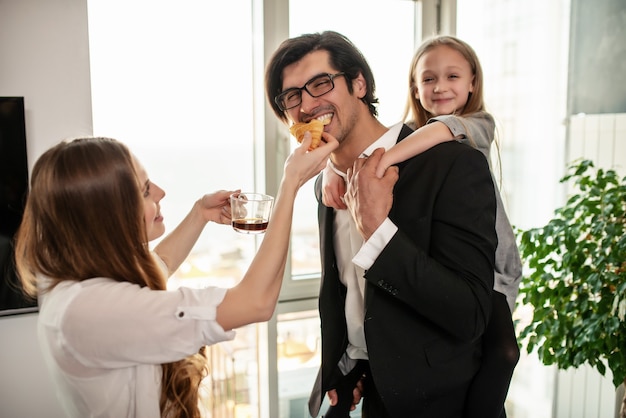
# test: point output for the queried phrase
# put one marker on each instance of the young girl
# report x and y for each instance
(116, 342)
(446, 103)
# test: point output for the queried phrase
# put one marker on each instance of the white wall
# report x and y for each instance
(600, 138)
(44, 56)
(583, 392)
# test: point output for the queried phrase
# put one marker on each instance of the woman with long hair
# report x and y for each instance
(116, 342)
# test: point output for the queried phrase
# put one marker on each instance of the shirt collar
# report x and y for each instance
(387, 140)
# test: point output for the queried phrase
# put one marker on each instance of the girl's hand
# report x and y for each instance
(333, 188)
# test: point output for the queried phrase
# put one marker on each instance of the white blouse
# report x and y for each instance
(104, 341)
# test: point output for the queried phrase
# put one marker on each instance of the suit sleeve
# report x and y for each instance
(441, 264)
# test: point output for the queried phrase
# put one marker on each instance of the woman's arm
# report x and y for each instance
(254, 298)
(177, 245)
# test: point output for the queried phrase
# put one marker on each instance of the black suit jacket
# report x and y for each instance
(428, 294)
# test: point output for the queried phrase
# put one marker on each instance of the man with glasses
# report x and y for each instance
(316, 87)
(407, 270)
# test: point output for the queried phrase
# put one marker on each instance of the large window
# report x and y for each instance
(174, 80)
(389, 54)
(389, 57)
(523, 51)
(181, 84)
(544, 63)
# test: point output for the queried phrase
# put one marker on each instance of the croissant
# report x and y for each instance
(315, 126)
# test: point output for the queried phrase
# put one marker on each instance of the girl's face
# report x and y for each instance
(443, 81)
(152, 195)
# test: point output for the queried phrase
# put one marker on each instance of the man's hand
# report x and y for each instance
(368, 197)
(357, 394)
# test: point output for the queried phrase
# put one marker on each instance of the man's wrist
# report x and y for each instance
(376, 243)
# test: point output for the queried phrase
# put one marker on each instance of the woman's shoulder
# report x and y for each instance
(67, 290)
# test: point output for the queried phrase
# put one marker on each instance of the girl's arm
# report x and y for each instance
(254, 298)
(419, 141)
(333, 188)
(177, 245)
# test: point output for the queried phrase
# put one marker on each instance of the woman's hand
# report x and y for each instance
(302, 164)
(216, 206)
(254, 298)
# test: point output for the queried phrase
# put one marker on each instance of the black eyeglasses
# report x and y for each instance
(316, 87)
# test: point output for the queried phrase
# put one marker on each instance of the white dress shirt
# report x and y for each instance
(354, 257)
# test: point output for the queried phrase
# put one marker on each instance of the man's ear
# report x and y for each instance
(360, 86)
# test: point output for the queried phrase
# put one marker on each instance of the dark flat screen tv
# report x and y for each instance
(13, 191)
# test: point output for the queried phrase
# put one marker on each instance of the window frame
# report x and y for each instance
(277, 142)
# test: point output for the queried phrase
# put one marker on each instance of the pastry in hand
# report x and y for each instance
(315, 126)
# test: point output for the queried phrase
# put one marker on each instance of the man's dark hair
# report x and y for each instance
(344, 57)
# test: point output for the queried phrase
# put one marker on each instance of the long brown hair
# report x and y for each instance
(81, 191)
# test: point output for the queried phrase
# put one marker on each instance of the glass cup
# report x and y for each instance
(250, 212)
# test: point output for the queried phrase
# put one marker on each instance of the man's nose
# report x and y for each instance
(308, 102)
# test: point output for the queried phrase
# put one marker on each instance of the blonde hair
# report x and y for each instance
(414, 112)
(80, 191)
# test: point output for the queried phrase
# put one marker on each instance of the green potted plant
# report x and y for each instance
(575, 277)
